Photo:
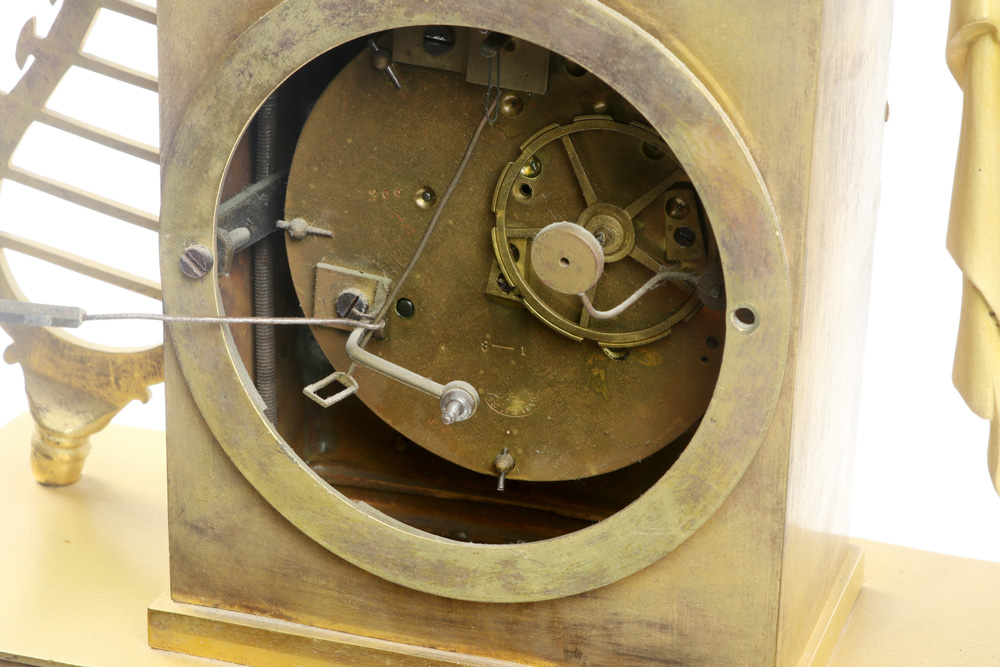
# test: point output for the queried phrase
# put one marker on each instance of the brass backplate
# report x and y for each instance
(562, 407)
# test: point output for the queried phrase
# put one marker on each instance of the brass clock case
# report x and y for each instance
(705, 142)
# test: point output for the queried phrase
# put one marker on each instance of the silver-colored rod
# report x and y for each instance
(25, 313)
(389, 369)
(195, 319)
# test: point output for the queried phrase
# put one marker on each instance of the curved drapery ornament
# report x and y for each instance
(973, 56)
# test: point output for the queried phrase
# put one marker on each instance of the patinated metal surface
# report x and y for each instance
(563, 407)
(773, 547)
(680, 110)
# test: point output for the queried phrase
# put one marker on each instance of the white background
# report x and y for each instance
(920, 476)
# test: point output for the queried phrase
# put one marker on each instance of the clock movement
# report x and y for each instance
(577, 291)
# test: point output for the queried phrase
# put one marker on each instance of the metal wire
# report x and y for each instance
(384, 310)
(660, 277)
(314, 321)
(492, 90)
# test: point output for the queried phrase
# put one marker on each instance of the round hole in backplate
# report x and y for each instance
(563, 262)
(572, 68)
(704, 360)
(405, 308)
(525, 191)
(652, 151)
(745, 319)
(425, 197)
(515, 253)
(712, 343)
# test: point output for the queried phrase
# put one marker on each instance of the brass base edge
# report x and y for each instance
(258, 641)
(837, 609)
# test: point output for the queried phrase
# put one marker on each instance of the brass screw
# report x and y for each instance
(502, 283)
(438, 40)
(532, 168)
(603, 108)
(196, 261)
(685, 237)
(511, 106)
(677, 208)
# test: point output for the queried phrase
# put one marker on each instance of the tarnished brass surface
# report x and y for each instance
(800, 83)
(563, 408)
(680, 109)
(74, 387)
(249, 639)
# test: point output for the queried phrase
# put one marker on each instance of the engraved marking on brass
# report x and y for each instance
(514, 403)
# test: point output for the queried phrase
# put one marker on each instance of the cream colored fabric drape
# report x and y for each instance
(973, 56)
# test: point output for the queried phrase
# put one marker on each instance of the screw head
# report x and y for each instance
(532, 168)
(438, 40)
(348, 301)
(685, 237)
(678, 208)
(603, 108)
(511, 105)
(459, 401)
(502, 283)
(196, 261)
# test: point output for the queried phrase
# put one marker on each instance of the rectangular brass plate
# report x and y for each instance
(332, 280)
